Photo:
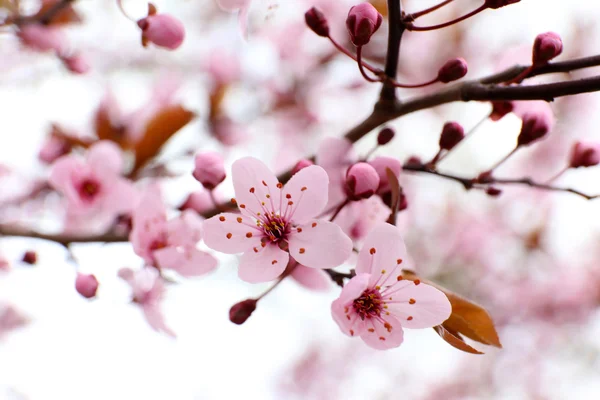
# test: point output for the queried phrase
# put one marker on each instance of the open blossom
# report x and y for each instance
(169, 244)
(276, 217)
(147, 291)
(94, 184)
(377, 303)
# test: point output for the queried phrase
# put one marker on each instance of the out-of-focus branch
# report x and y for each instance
(64, 239)
(45, 17)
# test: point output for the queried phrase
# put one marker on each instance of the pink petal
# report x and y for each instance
(431, 307)
(311, 278)
(64, 175)
(352, 290)
(185, 230)
(187, 263)
(253, 181)
(383, 253)
(319, 244)
(383, 336)
(263, 266)
(307, 189)
(233, 5)
(335, 153)
(105, 157)
(226, 234)
(149, 223)
(156, 320)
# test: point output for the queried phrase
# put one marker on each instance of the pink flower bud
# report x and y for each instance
(163, 30)
(43, 38)
(302, 164)
(452, 134)
(500, 109)
(362, 181)
(317, 22)
(452, 70)
(199, 201)
(499, 3)
(30, 257)
(209, 170)
(414, 161)
(240, 312)
(362, 22)
(385, 136)
(546, 46)
(494, 192)
(53, 148)
(535, 126)
(381, 164)
(86, 285)
(76, 64)
(585, 155)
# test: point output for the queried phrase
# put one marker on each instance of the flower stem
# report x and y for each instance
(416, 15)
(411, 27)
(467, 135)
(340, 208)
(352, 56)
(360, 66)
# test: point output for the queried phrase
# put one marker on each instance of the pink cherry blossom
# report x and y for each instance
(381, 164)
(377, 303)
(169, 244)
(311, 278)
(274, 216)
(95, 184)
(43, 38)
(147, 291)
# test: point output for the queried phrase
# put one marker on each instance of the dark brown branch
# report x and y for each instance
(47, 16)
(64, 239)
(395, 30)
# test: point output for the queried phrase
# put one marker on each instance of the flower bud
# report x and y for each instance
(381, 164)
(535, 126)
(385, 136)
(362, 22)
(452, 70)
(494, 192)
(240, 312)
(301, 165)
(209, 169)
(414, 161)
(76, 64)
(545, 47)
(500, 109)
(86, 285)
(362, 181)
(30, 257)
(317, 22)
(584, 155)
(499, 3)
(163, 30)
(452, 134)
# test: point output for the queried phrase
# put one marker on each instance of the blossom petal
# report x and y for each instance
(305, 194)
(233, 5)
(229, 233)
(123, 196)
(156, 319)
(105, 157)
(383, 334)
(64, 175)
(319, 244)
(255, 184)
(187, 263)
(335, 152)
(417, 306)
(382, 253)
(311, 278)
(186, 230)
(341, 310)
(264, 265)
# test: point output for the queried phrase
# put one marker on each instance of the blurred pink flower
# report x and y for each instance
(274, 215)
(148, 290)
(198, 201)
(53, 148)
(163, 30)
(377, 303)
(168, 244)
(95, 185)
(76, 64)
(42, 38)
(86, 285)
(10, 319)
(242, 6)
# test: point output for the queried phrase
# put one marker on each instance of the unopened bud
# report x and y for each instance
(209, 169)
(494, 192)
(317, 22)
(163, 30)
(86, 285)
(240, 312)
(30, 257)
(452, 134)
(535, 126)
(545, 47)
(385, 136)
(381, 164)
(500, 109)
(453, 70)
(585, 155)
(301, 165)
(413, 161)
(499, 3)
(362, 22)
(362, 181)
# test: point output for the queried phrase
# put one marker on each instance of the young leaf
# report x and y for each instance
(396, 193)
(455, 340)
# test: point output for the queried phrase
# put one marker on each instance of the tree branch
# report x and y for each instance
(64, 239)
(47, 16)
(395, 30)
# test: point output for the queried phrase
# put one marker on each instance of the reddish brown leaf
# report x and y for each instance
(396, 193)
(159, 130)
(455, 340)
(467, 318)
(216, 99)
(73, 141)
(105, 130)
(65, 15)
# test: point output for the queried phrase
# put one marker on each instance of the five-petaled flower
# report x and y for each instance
(377, 303)
(277, 221)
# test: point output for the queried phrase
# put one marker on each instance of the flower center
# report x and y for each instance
(89, 189)
(369, 304)
(275, 228)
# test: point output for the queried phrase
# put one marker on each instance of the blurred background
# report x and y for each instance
(531, 258)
